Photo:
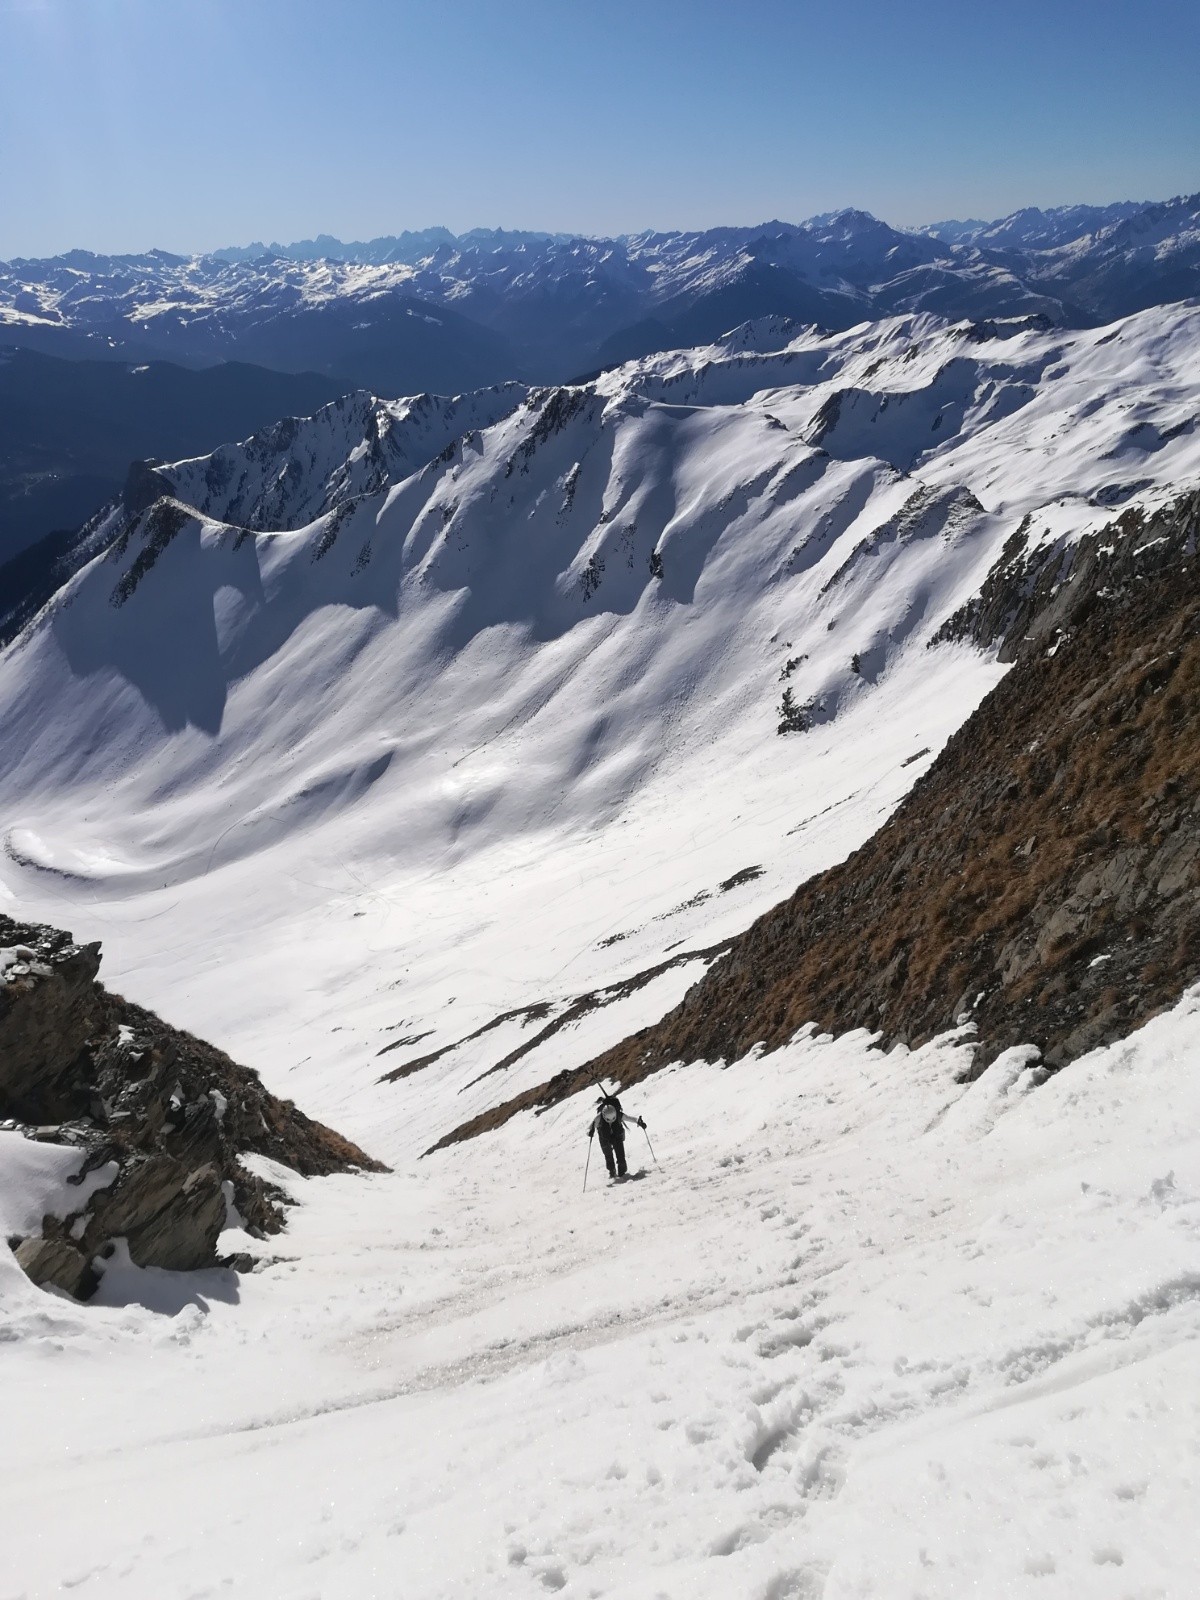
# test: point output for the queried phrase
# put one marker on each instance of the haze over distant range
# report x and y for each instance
(289, 115)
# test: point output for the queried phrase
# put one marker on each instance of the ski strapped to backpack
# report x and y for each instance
(639, 1121)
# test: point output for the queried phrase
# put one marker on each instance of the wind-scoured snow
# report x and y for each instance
(493, 746)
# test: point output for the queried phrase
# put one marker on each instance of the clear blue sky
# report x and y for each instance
(194, 123)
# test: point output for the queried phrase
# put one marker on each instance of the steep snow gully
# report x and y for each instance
(397, 734)
(848, 1341)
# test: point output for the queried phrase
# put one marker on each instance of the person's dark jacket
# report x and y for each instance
(616, 1128)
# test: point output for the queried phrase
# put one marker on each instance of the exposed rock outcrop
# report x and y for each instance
(49, 1003)
(143, 486)
(82, 1066)
(1041, 882)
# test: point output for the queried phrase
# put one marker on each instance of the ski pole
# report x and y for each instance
(588, 1163)
(656, 1161)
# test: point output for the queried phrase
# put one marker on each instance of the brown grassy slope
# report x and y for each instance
(1043, 878)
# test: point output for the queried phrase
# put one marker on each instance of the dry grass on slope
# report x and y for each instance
(1042, 880)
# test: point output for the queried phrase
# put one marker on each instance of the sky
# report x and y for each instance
(190, 124)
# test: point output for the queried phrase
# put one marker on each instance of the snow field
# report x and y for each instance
(310, 956)
(865, 1332)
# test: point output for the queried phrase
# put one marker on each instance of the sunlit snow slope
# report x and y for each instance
(478, 768)
(495, 736)
(865, 1334)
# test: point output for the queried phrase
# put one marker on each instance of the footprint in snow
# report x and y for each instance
(797, 1583)
(737, 1538)
(820, 1472)
(797, 1334)
(771, 1433)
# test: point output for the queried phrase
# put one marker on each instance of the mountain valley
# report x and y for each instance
(792, 725)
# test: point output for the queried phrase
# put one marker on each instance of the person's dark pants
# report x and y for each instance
(612, 1142)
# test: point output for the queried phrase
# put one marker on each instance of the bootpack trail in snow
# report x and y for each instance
(911, 1314)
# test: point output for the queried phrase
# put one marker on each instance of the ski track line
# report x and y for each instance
(491, 1363)
(497, 1360)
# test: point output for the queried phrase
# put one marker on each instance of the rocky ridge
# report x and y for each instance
(169, 1114)
(280, 479)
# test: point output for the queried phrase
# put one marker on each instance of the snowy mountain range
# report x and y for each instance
(1034, 229)
(115, 342)
(435, 310)
(420, 752)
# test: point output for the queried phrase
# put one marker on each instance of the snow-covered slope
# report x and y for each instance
(305, 467)
(864, 1333)
(470, 775)
(554, 656)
